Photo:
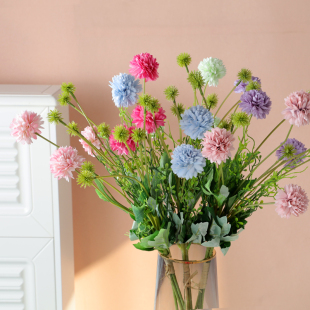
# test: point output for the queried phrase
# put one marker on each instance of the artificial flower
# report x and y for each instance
(187, 161)
(90, 135)
(196, 121)
(65, 160)
(120, 147)
(151, 122)
(217, 145)
(125, 89)
(242, 85)
(256, 103)
(298, 108)
(25, 126)
(144, 66)
(290, 148)
(292, 200)
(212, 69)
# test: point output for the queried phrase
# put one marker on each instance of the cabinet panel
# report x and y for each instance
(27, 276)
(24, 212)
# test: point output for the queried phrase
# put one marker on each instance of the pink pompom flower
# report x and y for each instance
(151, 122)
(144, 66)
(25, 126)
(65, 160)
(217, 145)
(298, 108)
(292, 201)
(90, 135)
(121, 147)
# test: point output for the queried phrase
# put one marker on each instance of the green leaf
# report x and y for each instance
(164, 160)
(231, 201)
(139, 213)
(161, 241)
(132, 234)
(140, 247)
(145, 241)
(101, 196)
(209, 180)
(151, 202)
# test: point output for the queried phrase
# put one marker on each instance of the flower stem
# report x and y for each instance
(186, 278)
(229, 112)
(225, 100)
(49, 141)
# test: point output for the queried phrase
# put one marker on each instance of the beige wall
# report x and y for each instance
(87, 42)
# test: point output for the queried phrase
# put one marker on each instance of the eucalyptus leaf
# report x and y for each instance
(161, 241)
(139, 213)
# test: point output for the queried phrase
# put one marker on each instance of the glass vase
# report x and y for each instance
(186, 284)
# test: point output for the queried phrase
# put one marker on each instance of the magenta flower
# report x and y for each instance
(25, 126)
(65, 160)
(293, 200)
(90, 135)
(217, 145)
(151, 122)
(298, 108)
(121, 147)
(144, 66)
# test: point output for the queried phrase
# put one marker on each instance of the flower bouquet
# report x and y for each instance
(184, 190)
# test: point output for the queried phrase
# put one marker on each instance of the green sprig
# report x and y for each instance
(54, 116)
(73, 129)
(212, 101)
(245, 75)
(86, 178)
(184, 59)
(68, 88)
(171, 92)
(121, 133)
(195, 79)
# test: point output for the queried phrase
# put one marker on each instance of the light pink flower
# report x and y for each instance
(25, 125)
(65, 160)
(298, 108)
(151, 122)
(89, 134)
(293, 200)
(217, 145)
(144, 66)
(120, 147)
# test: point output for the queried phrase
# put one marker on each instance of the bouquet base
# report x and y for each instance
(186, 285)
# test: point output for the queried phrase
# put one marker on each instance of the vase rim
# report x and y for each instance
(189, 262)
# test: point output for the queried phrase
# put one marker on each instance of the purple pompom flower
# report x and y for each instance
(290, 148)
(241, 87)
(255, 102)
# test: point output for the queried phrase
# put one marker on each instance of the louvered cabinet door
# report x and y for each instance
(26, 208)
(27, 274)
(36, 237)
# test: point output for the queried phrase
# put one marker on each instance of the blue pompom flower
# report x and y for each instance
(125, 90)
(196, 121)
(187, 161)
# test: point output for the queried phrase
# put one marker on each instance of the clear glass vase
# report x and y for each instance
(186, 284)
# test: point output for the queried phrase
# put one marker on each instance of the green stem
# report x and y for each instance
(123, 176)
(163, 142)
(117, 204)
(225, 100)
(49, 141)
(229, 112)
(186, 276)
(179, 118)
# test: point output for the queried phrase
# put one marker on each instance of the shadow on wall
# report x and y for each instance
(99, 227)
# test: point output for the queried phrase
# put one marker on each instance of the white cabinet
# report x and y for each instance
(36, 239)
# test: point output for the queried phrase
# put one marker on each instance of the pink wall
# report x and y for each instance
(87, 42)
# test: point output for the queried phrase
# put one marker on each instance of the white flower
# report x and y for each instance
(212, 69)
